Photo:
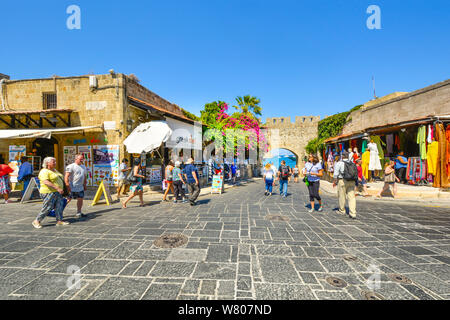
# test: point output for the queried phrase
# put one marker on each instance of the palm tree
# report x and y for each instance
(249, 106)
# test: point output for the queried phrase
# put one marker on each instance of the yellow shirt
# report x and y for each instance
(432, 157)
(365, 164)
(54, 177)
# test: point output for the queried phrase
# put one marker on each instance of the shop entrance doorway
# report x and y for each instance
(46, 148)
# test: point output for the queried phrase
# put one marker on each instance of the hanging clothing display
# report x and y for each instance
(416, 171)
(379, 144)
(374, 163)
(447, 156)
(397, 142)
(365, 161)
(421, 141)
(364, 146)
(432, 157)
(330, 162)
(390, 143)
(441, 179)
(430, 136)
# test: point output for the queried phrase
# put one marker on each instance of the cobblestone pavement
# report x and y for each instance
(233, 250)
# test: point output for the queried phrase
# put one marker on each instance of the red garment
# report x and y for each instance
(359, 172)
(397, 142)
(447, 135)
(5, 169)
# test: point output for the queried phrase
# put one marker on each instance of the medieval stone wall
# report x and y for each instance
(430, 101)
(293, 136)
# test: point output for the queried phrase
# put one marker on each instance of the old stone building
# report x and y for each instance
(400, 107)
(293, 136)
(93, 109)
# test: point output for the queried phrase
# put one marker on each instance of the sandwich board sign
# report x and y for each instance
(32, 187)
(103, 188)
(217, 184)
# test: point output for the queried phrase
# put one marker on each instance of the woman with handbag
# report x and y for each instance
(136, 184)
(52, 192)
(313, 171)
(169, 180)
(389, 179)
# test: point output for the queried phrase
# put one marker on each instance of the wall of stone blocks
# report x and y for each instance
(293, 136)
(429, 101)
(138, 91)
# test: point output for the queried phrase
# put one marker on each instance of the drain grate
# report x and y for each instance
(399, 278)
(349, 257)
(370, 295)
(277, 217)
(171, 241)
(336, 282)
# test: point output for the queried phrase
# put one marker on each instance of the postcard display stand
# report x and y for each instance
(106, 165)
(86, 151)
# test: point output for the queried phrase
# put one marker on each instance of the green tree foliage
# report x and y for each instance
(189, 115)
(208, 116)
(249, 106)
(328, 128)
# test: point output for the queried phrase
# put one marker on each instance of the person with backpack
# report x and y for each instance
(169, 180)
(283, 176)
(345, 177)
(313, 171)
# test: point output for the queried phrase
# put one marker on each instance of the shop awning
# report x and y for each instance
(38, 133)
(147, 137)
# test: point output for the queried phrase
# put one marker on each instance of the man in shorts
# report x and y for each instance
(75, 180)
(123, 172)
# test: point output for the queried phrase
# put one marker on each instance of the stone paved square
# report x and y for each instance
(232, 252)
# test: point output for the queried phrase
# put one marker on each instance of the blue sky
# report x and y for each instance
(299, 57)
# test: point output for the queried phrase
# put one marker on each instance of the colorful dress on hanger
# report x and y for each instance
(421, 141)
(374, 163)
(365, 164)
(432, 157)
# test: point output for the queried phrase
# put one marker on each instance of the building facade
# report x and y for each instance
(97, 110)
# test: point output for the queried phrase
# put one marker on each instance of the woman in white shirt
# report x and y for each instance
(268, 179)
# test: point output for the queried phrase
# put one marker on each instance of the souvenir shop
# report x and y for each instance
(425, 144)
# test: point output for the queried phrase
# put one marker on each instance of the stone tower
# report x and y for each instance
(293, 136)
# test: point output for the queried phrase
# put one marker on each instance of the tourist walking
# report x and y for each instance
(268, 179)
(136, 184)
(75, 180)
(296, 172)
(192, 180)
(345, 176)
(178, 182)
(389, 179)
(274, 169)
(401, 163)
(361, 179)
(169, 180)
(52, 191)
(233, 172)
(283, 177)
(25, 174)
(122, 180)
(5, 186)
(313, 171)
